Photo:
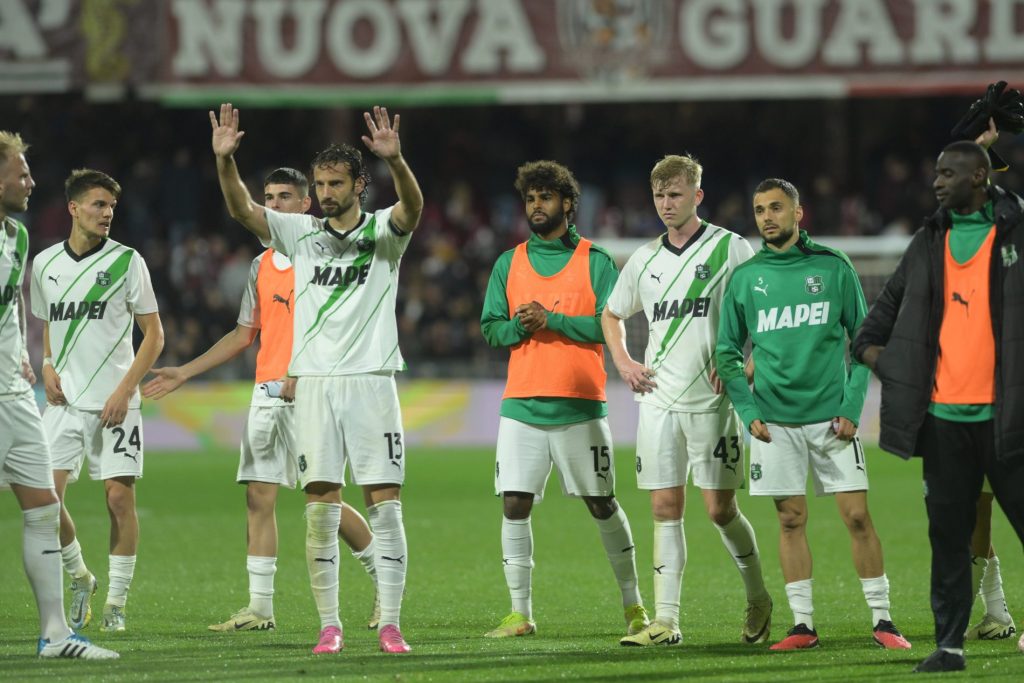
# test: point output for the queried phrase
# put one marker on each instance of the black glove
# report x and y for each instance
(1005, 107)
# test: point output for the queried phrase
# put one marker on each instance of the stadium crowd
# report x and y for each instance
(856, 182)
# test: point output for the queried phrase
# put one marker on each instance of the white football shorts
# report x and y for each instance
(779, 468)
(268, 446)
(24, 451)
(671, 445)
(352, 420)
(582, 453)
(76, 436)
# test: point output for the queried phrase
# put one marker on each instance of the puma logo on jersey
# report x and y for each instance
(763, 290)
(50, 277)
(332, 276)
(783, 317)
(323, 249)
(680, 308)
(656, 277)
(966, 302)
(72, 310)
(287, 302)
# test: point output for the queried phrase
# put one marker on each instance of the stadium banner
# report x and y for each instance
(449, 413)
(426, 52)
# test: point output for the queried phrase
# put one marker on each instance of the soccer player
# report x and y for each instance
(24, 452)
(686, 423)
(798, 302)
(345, 352)
(544, 301)
(88, 290)
(268, 458)
(945, 339)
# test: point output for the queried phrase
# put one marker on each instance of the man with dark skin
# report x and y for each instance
(945, 338)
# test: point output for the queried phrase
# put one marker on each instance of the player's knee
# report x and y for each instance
(857, 520)
(601, 507)
(665, 510)
(792, 521)
(120, 501)
(517, 505)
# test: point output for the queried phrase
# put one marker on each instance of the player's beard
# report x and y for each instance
(781, 236)
(337, 209)
(548, 226)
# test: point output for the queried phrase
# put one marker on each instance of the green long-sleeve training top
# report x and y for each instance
(799, 308)
(500, 330)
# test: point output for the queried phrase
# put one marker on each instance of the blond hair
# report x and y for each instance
(674, 166)
(11, 144)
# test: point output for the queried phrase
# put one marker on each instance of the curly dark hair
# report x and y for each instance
(336, 155)
(549, 175)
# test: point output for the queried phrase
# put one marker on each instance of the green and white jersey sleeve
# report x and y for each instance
(680, 291)
(13, 257)
(345, 292)
(249, 309)
(90, 302)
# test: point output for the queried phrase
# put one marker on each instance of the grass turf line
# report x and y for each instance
(191, 572)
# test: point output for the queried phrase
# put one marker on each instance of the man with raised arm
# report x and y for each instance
(344, 352)
(268, 458)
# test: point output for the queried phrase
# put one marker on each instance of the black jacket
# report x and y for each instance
(906, 319)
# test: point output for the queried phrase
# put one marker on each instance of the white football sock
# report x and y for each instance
(322, 520)
(390, 558)
(517, 561)
(261, 584)
(41, 555)
(74, 563)
(365, 557)
(992, 591)
(669, 563)
(617, 539)
(122, 569)
(876, 593)
(738, 538)
(801, 601)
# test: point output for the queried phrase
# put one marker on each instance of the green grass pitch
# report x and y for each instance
(191, 572)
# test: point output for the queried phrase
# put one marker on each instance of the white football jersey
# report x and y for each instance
(90, 302)
(13, 257)
(345, 292)
(680, 291)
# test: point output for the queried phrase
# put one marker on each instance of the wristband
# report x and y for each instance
(47, 361)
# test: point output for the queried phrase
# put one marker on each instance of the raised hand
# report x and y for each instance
(226, 136)
(383, 139)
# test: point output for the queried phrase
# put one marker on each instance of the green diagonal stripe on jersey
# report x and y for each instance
(99, 367)
(20, 248)
(369, 317)
(117, 271)
(329, 262)
(719, 256)
(335, 300)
